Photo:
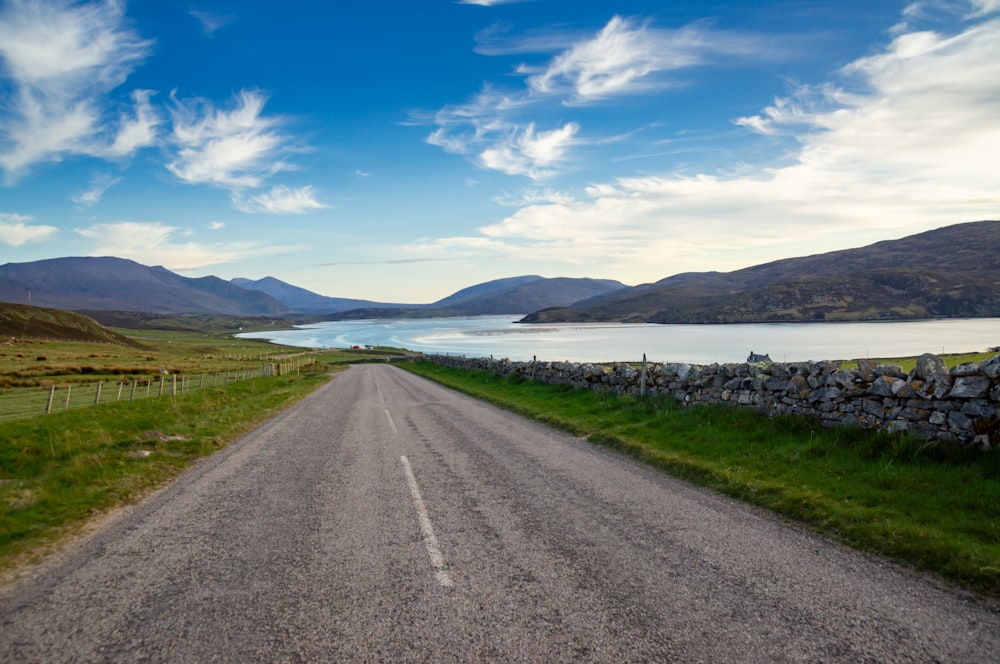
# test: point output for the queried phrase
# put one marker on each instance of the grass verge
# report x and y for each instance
(60, 470)
(933, 508)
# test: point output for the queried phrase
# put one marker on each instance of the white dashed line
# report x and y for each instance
(391, 423)
(430, 541)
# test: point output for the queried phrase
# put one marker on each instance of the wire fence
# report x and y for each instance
(24, 402)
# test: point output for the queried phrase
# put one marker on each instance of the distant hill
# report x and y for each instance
(524, 294)
(486, 289)
(304, 301)
(20, 321)
(117, 284)
(512, 295)
(948, 272)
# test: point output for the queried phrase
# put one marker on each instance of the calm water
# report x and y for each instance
(500, 337)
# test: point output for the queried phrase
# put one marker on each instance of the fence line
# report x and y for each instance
(27, 402)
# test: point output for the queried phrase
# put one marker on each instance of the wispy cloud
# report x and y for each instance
(16, 231)
(894, 144)
(211, 21)
(98, 185)
(61, 59)
(487, 3)
(233, 148)
(527, 152)
(401, 261)
(280, 200)
(155, 243)
(626, 57)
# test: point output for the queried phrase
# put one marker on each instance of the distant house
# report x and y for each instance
(754, 357)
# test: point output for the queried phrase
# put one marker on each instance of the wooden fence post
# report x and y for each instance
(173, 385)
(642, 379)
(97, 393)
(131, 396)
(48, 404)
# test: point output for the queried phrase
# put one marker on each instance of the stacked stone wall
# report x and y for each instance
(931, 401)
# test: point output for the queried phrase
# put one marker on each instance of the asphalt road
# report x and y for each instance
(386, 519)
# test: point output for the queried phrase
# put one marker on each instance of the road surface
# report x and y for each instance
(386, 519)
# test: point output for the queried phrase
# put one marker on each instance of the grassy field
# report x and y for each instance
(58, 471)
(933, 508)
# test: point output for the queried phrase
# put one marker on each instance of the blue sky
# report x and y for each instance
(402, 150)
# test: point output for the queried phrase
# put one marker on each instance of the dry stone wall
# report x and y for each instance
(931, 401)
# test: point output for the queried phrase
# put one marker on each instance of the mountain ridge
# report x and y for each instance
(953, 271)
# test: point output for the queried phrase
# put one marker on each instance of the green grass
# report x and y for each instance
(908, 363)
(60, 470)
(934, 508)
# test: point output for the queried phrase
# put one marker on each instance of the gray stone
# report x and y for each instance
(866, 370)
(979, 408)
(970, 387)
(967, 369)
(957, 420)
(991, 367)
(915, 414)
(873, 407)
(929, 367)
(886, 386)
(842, 378)
(776, 385)
(890, 370)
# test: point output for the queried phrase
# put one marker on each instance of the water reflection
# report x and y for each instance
(500, 337)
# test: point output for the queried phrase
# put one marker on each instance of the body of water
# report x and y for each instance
(500, 336)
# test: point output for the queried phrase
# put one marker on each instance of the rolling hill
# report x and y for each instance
(948, 272)
(117, 284)
(20, 321)
(304, 301)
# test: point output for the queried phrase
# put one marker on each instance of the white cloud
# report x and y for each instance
(216, 225)
(137, 131)
(210, 21)
(527, 152)
(619, 60)
(16, 231)
(98, 185)
(235, 148)
(532, 196)
(280, 200)
(61, 59)
(486, 3)
(153, 243)
(901, 142)
(623, 58)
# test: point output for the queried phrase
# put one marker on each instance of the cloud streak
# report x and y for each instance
(624, 58)
(62, 59)
(155, 243)
(236, 148)
(280, 200)
(16, 231)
